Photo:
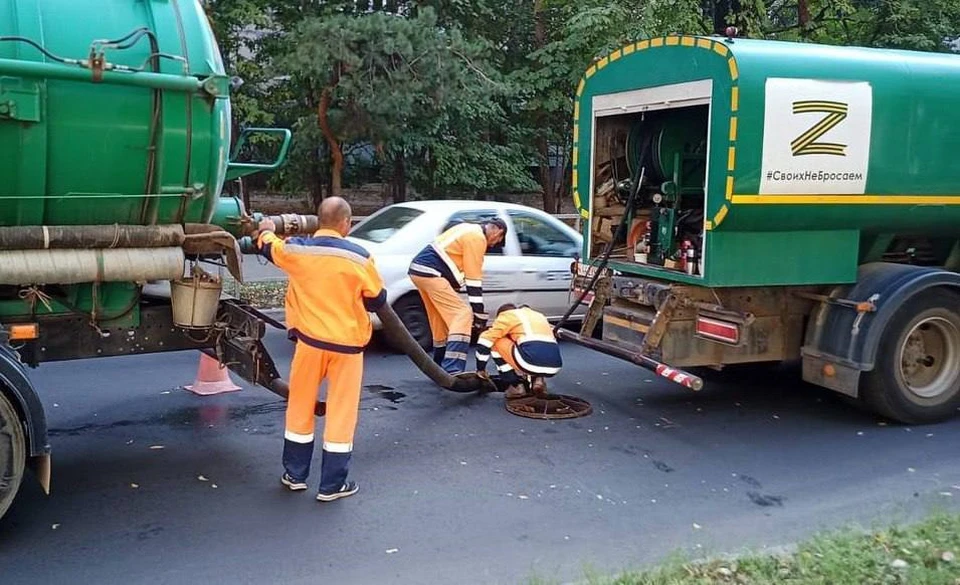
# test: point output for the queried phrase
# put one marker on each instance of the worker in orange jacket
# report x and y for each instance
(441, 269)
(333, 284)
(523, 348)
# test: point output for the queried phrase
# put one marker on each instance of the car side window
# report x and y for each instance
(539, 238)
(475, 216)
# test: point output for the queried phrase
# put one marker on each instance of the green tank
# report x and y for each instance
(806, 160)
(112, 113)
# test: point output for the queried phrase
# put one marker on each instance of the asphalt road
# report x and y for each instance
(453, 488)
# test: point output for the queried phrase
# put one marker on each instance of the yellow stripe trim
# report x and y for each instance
(721, 49)
(731, 158)
(730, 189)
(603, 63)
(616, 55)
(673, 41)
(708, 225)
(718, 219)
(657, 42)
(735, 98)
(734, 72)
(576, 155)
(629, 49)
(591, 70)
(733, 128)
(688, 41)
(643, 45)
(846, 199)
(704, 43)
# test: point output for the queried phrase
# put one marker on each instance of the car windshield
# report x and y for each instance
(380, 228)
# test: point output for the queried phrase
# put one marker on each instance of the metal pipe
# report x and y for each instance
(164, 81)
(674, 375)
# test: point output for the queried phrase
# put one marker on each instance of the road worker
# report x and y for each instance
(523, 348)
(441, 269)
(333, 284)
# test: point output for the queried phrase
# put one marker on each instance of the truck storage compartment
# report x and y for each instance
(663, 146)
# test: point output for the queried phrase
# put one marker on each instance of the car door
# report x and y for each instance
(500, 269)
(546, 251)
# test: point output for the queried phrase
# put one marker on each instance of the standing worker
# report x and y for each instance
(523, 348)
(440, 270)
(333, 284)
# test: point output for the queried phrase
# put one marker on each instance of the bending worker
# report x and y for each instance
(523, 348)
(455, 258)
(333, 283)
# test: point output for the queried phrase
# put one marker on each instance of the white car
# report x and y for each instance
(532, 266)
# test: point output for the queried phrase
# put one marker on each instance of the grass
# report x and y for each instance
(923, 554)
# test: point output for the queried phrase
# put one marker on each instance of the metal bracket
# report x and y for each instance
(659, 325)
(19, 99)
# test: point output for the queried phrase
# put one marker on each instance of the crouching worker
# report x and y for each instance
(523, 348)
(333, 283)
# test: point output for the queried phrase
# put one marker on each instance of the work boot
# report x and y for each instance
(347, 489)
(539, 386)
(515, 391)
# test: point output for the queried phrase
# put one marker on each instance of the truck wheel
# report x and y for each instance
(13, 453)
(413, 315)
(916, 379)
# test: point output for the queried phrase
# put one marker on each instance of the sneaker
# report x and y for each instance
(293, 484)
(347, 489)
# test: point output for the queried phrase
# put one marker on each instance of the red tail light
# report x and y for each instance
(718, 330)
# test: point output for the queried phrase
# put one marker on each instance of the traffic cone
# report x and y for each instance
(212, 378)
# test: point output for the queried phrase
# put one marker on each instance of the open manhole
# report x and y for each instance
(549, 406)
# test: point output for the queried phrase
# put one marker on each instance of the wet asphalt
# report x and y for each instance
(152, 484)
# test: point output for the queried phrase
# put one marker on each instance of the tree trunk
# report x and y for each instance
(399, 180)
(543, 145)
(803, 16)
(336, 151)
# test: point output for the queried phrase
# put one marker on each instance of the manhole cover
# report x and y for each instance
(549, 406)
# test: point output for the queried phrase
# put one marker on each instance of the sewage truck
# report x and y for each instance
(750, 201)
(115, 144)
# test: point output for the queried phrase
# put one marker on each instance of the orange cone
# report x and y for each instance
(212, 378)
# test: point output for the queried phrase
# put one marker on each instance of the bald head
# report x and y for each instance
(335, 215)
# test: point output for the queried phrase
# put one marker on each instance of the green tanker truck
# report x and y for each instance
(115, 144)
(758, 201)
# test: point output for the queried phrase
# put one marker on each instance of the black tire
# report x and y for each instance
(13, 453)
(413, 315)
(895, 388)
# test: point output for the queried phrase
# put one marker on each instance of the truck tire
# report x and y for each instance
(13, 453)
(916, 379)
(413, 315)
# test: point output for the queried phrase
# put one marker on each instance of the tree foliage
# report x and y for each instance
(476, 96)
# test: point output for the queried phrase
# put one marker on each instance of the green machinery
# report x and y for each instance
(115, 144)
(760, 201)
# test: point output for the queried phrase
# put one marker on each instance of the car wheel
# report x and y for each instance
(413, 315)
(13, 453)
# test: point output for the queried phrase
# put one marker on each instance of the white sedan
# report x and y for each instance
(532, 266)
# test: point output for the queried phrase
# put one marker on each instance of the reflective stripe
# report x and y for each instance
(505, 367)
(496, 354)
(325, 251)
(478, 300)
(537, 337)
(457, 274)
(425, 269)
(484, 342)
(297, 437)
(531, 368)
(337, 447)
(457, 355)
(439, 346)
(476, 283)
(458, 338)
